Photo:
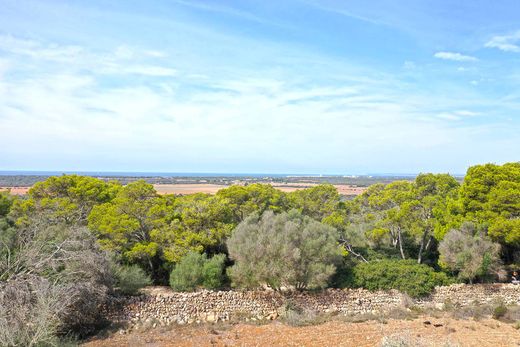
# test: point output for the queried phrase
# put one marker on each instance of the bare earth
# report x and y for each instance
(192, 188)
(343, 189)
(15, 190)
(449, 332)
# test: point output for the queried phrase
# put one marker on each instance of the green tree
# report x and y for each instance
(316, 202)
(128, 225)
(391, 203)
(154, 231)
(432, 192)
(469, 253)
(285, 250)
(6, 201)
(490, 197)
(64, 199)
(206, 221)
(254, 198)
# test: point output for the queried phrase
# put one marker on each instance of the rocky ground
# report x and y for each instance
(422, 331)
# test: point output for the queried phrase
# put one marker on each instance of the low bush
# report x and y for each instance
(213, 272)
(196, 270)
(53, 284)
(406, 276)
(476, 311)
(406, 339)
(499, 311)
(294, 315)
(513, 314)
(131, 278)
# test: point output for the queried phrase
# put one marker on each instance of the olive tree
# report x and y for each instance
(285, 250)
(469, 252)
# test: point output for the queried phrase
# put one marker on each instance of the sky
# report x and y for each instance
(295, 86)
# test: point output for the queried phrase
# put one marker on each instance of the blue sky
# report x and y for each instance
(259, 86)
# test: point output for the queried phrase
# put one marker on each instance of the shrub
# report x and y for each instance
(406, 339)
(131, 278)
(196, 270)
(55, 282)
(285, 250)
(404, 275)
(469, 253)
(29, 312)
(294, 315)
(499, 311)
(213, 272)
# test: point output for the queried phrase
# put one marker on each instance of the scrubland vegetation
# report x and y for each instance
(74, 240)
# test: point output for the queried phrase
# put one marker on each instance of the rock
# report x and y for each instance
(211, 317)
(439, 306)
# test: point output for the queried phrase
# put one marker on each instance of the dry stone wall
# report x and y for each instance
(163, 306)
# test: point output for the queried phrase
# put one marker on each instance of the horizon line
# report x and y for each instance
(207, 174)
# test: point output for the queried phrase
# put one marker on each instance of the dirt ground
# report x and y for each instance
(207, 188)
(188, 188)
(423, 331)
(15, 190)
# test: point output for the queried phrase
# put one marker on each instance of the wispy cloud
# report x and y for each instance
(209, 91)
(457, 115)
(454, 56)
(507, 43)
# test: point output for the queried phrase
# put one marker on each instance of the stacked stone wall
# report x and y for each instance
(163, 306)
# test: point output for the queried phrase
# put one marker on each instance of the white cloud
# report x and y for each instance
(507, 43)
(336, 117)
(34, 49)
(144, 70)
(457, 115)
(454, 56)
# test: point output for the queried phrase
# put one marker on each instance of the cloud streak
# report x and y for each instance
(455, 57)
(506, 43)
(198, 86)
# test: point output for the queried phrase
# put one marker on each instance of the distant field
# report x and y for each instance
(15, 190)
(192, 188)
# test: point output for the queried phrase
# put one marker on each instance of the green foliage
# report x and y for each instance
(490, 195)
(285, 250)
(196, 270)
(130, 278)
(153, 231)
(404, 215)
(469, 252)
(499, 311)
(64, 199)
(316, 202)
(254, 198)
(202, 221)
(6, 201)
(127, 224)
(213, 272)
(406, 276)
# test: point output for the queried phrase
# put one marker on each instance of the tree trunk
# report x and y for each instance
(422, 248)
(400, 239)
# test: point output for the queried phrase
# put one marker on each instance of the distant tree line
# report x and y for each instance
(73, 240)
